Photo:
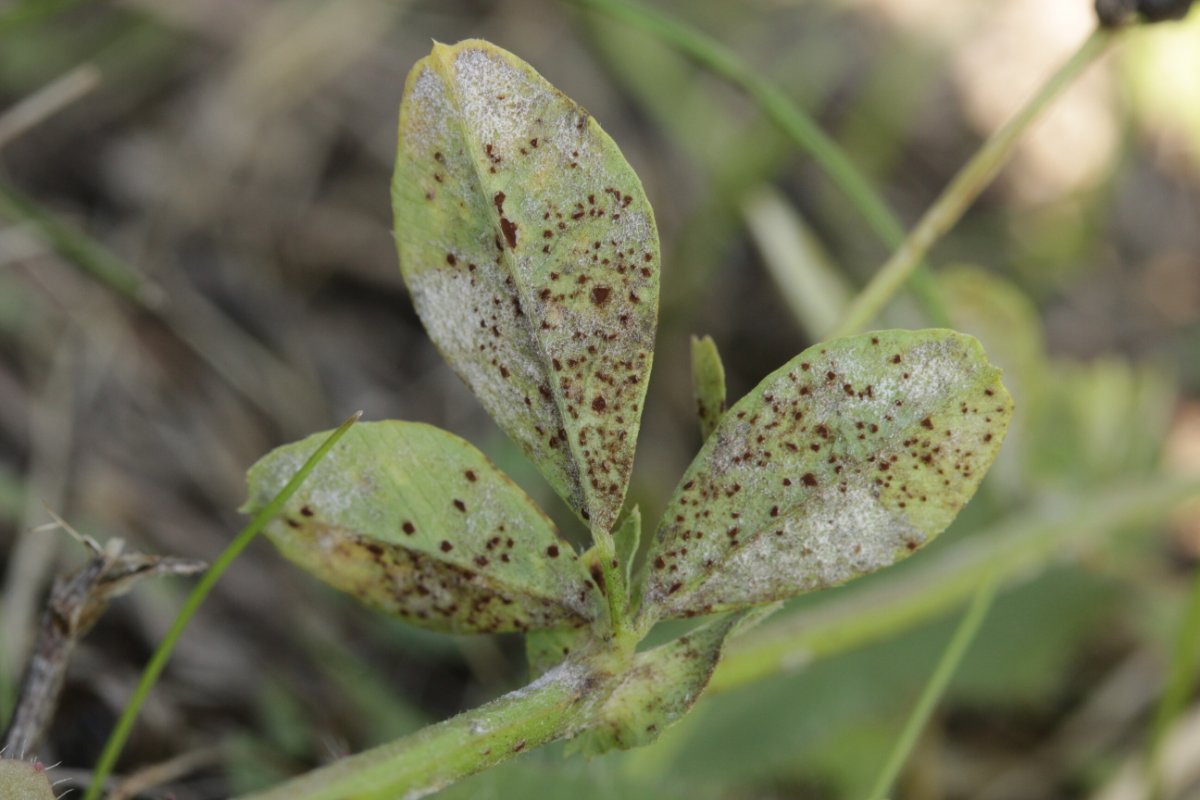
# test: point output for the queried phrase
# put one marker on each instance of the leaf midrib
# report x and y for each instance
(446, 68)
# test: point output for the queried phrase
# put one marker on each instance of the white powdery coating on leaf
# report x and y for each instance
(532, 257)
(842, 462)
(431, 106)
(417, 522)
(273, 473)
(497, 99)
(934, 370)
(449, 305)
(850, 535)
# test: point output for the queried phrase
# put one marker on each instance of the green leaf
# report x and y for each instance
(843, 461)
(708, 383)
(627, 538)
(660, 687)
(418, 523)
(24, 780)
(532, 257)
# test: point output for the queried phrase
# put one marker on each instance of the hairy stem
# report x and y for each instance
(966, 186)
(793, 121)
(549, 709)
(158, 662)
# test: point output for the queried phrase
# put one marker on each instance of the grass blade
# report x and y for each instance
(158, 662)
(793, 121)
(933, 691)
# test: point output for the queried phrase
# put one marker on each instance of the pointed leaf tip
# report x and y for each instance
(841, 462)
(708, 383)
(417, 522)
(532, 257)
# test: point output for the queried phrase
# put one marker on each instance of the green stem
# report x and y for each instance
(436, 756)
(1012, 551)
(116, 740)
(933, 691)
(966, 186)
(1180, 683)
(793, 121)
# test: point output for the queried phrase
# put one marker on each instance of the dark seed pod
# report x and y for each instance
(1160, 10)
(1112, 13)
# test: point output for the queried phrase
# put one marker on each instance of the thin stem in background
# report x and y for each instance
(245, 365)
(29, 112)
(1180, 683)
(794, 122)
(947, 665)
(116, 740)
(82, 251)
(967, 185)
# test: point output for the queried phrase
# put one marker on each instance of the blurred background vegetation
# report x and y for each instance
(196, 266)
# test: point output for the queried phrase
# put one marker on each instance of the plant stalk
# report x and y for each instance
(549, 709)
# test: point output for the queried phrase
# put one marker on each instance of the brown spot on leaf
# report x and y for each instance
(509, 229)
